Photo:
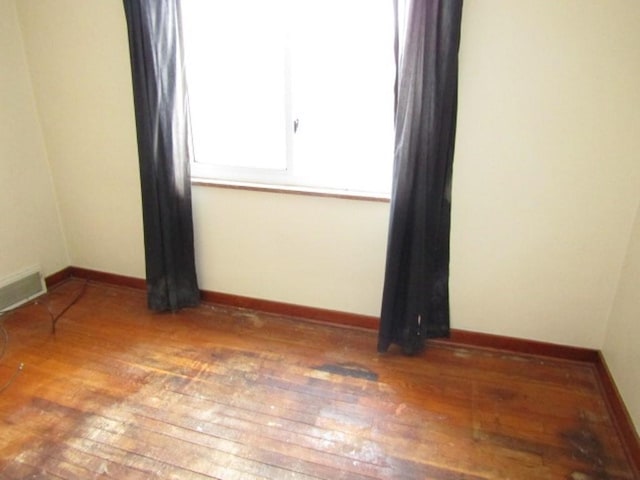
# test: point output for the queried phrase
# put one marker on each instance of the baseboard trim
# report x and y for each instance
(464, 338)
(518, 345)
(321, 315)
(58, 277)
(457, 337)
(109, 278)
(620, 414)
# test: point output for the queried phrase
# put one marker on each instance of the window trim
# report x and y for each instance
(291, 189)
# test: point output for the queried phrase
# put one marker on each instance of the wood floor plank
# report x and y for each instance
(215, 392)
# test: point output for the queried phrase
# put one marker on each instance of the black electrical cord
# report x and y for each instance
(5, 337)
(54, 320)
(3, 330)
(8, 383)
(5, 342)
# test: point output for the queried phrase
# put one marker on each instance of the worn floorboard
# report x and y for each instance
(120, 392)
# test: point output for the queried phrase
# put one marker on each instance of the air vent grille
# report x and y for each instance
(20, 288)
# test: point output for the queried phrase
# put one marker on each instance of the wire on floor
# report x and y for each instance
(54, 320)
(5, 342)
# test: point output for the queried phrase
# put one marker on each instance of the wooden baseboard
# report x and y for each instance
(519, 345)
(465, 338)
(291, 310)
(58, 277)
(457, 337)
(109, 278)
(620, 414)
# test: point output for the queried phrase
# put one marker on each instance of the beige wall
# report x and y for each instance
(321, 252)
(621, 347)
(78, 57)
(30, 229)
(545, 179)
(547, 165)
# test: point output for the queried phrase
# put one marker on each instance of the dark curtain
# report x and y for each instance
(415, 303)
(164, 150)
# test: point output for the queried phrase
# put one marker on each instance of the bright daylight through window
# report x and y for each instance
(292, 92)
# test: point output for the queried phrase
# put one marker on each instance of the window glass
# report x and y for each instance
(292, 92)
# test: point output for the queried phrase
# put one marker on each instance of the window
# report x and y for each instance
(292, 92)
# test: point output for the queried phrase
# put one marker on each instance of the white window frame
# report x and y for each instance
(288, 179)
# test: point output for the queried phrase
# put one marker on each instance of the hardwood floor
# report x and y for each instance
(119, 392)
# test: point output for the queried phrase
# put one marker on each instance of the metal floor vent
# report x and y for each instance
(20, 288)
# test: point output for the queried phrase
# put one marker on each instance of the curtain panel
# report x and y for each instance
(415, 303)
(164, 150)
